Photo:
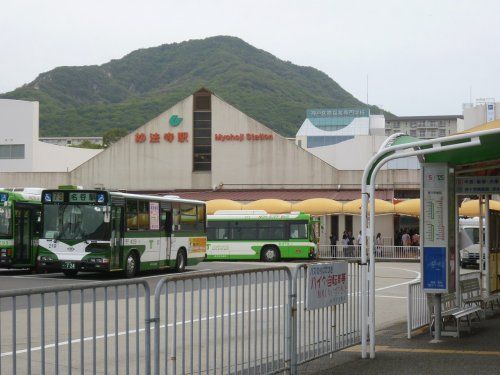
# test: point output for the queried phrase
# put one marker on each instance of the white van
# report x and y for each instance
(469, 242)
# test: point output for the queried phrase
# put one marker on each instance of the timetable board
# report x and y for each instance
(438, 228)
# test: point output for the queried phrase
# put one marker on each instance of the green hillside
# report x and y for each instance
(125, 93)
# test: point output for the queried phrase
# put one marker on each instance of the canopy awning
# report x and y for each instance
(318, 206)
(410, 207)
(222, 204)
(471, 208)
(271, 206)
(381, 207)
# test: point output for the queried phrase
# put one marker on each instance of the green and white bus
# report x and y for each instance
(19, 230)
(256, 235)
(96, 230)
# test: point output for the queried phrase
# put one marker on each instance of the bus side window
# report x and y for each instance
(132, 222)
(166, 219)
(176, 217)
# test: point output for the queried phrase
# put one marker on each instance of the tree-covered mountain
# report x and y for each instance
(126, 93)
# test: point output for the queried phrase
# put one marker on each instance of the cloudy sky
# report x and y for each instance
(421, 57)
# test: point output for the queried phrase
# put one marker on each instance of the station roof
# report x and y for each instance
(488, 151)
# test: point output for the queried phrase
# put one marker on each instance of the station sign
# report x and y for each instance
(438, 228)
(338, 112)
(243, 137)
(327, 285)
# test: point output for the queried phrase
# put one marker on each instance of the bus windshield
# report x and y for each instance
(5, 220)
(75, 222)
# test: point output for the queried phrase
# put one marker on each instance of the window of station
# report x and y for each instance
(202, 131)
(11, 151)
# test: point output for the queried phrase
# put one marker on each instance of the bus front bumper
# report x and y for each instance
(81, 265)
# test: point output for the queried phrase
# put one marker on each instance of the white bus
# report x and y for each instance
(97, 230)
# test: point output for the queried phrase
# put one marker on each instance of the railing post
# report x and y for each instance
(409, 323)
(292, 321)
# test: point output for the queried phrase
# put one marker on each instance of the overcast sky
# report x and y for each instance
(421, 57)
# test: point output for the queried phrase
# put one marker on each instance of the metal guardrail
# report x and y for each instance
(324, 331)
(382, 252)
(96, 327)
(230, 322)
(418, 312)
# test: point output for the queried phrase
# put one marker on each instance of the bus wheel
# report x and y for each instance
(180, 262)
(270, 254)
(70, 273)
(131, 267)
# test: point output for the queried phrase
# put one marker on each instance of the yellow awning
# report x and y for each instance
(471, 208)
(271, 206)
(410, 207)
(381, 207)
(318, 206)
(222, 204)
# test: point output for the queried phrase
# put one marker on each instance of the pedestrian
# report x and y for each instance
(333, 245)
(378, 242)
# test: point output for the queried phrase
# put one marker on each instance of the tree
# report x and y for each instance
(112, 135)
(87, 144)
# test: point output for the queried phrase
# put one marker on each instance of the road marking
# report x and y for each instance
(382, 348)
(134, 331)
(400, 284)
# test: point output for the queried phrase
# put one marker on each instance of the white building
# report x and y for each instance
(346, 138)
(485, 110)
(20, 148)
(424, 127)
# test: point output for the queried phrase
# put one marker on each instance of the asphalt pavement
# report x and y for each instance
(477, 352)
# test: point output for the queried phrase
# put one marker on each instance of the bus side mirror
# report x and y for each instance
(107, 216)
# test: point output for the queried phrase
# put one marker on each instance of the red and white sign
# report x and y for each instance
(327, 285)
(244, 137)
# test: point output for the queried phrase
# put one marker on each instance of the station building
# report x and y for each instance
(205, 148)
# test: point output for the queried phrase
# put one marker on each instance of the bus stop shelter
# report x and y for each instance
(452, 167)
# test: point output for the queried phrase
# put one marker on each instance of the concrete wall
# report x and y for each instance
(53, 158)
(19, 126)
(266, 163)
(149, 166)
(49, 180)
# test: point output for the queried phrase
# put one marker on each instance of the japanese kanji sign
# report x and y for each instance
(327, 285)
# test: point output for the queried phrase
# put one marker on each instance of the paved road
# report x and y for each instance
(243, 324)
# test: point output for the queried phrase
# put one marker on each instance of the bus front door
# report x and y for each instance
(116, 236)
(23, 234)
(166, 239)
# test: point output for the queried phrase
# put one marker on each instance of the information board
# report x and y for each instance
(327, 285)
(438, 228)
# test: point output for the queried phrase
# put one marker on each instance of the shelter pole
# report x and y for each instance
(481, 246)
(457, 253)
(487, 244)
(371, 236)
(384, 155)
(364, 279)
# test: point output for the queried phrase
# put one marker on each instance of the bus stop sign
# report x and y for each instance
(437, 222)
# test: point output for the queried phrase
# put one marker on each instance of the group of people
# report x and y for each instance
(405, 237)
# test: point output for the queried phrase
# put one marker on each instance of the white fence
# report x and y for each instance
(234, 322)
(382, 252)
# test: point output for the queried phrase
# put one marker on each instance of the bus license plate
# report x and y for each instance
(68, 266)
